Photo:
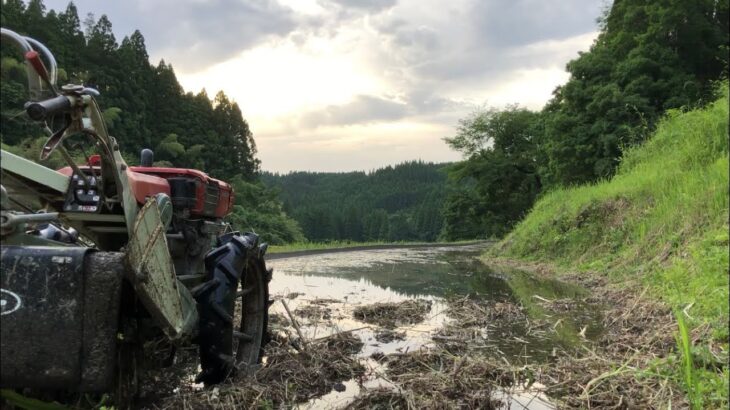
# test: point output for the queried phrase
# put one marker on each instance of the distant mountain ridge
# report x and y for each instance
(394, 203)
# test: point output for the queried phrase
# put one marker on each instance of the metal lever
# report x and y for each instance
(35, 61)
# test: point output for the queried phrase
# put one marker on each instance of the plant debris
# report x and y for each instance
(469, 364)
(563, 305)
(488, 325)
(388, 336)
(380, 399)
(278, 320)
(465, 370)
(287, 377)
(324, 301)
(391, 315)
(344, 342)
(437, 379)
(314, 312)
(612, 371)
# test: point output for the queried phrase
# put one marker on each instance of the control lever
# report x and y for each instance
(35, 61)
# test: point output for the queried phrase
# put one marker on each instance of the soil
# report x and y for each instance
(612, 371)
(460, 368)
(456, 370)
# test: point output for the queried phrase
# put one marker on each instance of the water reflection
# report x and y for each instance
(337, 283)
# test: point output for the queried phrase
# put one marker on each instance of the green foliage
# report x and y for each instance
(145, 107)
(112, 116)
(258, 209)
(400, 203)
(694, 389)
(650, 56)
(16, 399)
(143, 103)
(498, 181)
(170, 149)
(661, 219)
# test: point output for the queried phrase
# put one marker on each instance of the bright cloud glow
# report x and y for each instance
(337, 85)
(277, 80)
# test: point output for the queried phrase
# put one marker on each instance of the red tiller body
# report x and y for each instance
(193, 189)
(189, 189)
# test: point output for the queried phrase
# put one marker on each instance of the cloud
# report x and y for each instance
(513, 23)
(351, 84)
(193, 34)
(358, 147)
(367, 5)
(469, 39)
(362, 109)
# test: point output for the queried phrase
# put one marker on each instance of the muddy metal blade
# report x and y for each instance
(153, 273)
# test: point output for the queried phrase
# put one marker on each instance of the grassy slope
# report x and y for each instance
(662, 220)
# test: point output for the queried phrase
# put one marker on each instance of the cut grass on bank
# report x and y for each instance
(660, 224)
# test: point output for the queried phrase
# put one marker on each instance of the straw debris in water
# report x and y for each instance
(388, 336)
(314, 312)
(609, 372)
(287, 377)
(391, 315)
(437, 379)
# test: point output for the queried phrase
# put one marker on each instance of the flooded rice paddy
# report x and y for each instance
(422, 328)
(401, 301)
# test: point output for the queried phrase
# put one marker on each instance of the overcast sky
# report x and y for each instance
(340, 85)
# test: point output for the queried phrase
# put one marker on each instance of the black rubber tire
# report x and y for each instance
(237, 257)
(254, 314)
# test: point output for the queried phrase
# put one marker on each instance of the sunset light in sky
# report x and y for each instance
(337, 85)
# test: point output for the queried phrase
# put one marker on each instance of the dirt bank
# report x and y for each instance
(619, 368)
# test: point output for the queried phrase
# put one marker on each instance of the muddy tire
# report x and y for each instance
(254, 305)
(238, 258)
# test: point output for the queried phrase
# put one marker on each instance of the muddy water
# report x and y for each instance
(323, 290)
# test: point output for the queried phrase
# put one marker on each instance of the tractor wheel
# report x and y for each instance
(238, 258)
(253, 299)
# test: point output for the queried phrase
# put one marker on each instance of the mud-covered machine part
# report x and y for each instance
(60, 316)
(99, 258)
(238, 258)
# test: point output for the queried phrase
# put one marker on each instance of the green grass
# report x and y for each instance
(694, 389)
(663, 219)
(22, 402)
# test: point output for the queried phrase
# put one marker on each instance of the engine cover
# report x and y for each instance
(194, 191)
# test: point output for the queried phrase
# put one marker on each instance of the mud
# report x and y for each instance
(542, 345)
(288, 376)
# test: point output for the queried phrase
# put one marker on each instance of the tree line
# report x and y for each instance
(395, 203)
(650, 56)
(144, 107)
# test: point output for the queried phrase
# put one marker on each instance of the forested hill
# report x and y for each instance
(144, 104)
(402, 202)
(144, 107)
(650, 57)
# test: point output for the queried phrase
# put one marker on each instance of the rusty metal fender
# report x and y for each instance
(153, 275)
